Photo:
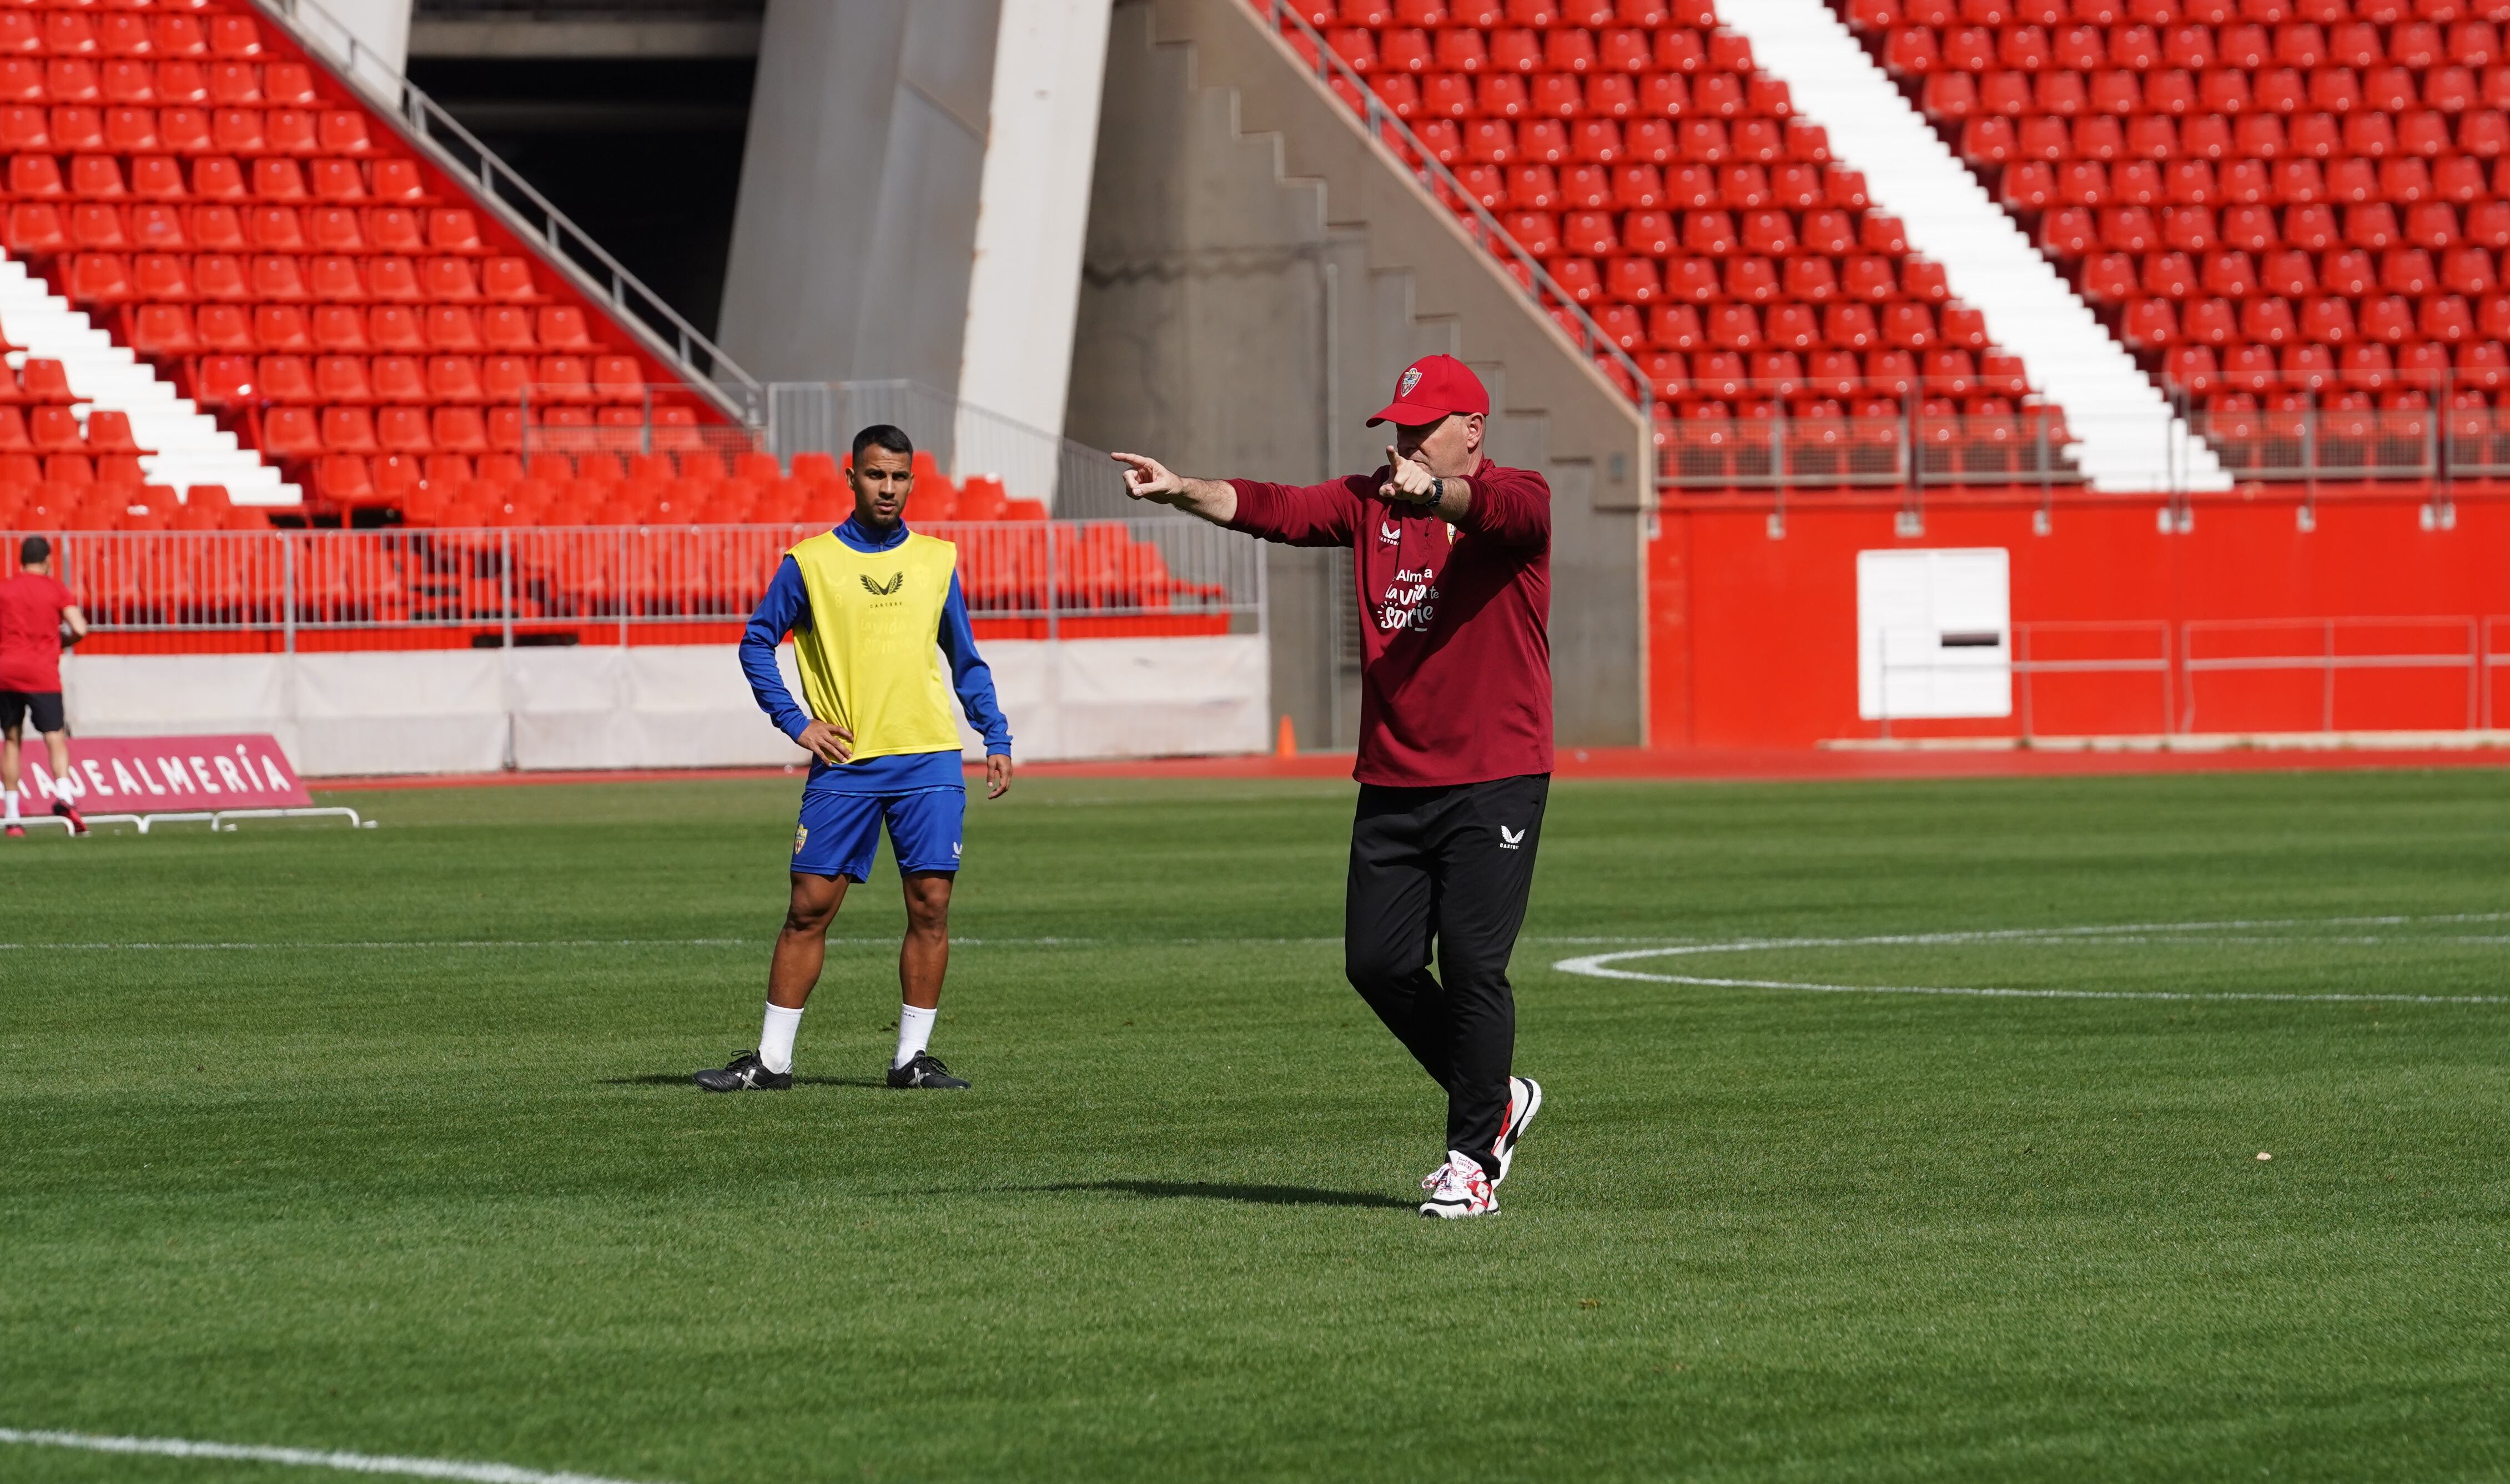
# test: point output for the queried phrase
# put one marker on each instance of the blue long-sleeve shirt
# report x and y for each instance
(787, 606)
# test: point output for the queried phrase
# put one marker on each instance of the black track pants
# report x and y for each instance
(1449, 869)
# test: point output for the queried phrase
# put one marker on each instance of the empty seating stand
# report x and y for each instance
(1669, 188)
(2293, 210)
(236, 215)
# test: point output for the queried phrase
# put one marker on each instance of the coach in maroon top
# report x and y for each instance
(1452, 553)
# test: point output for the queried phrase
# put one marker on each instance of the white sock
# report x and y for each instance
(914, 1033)
(11, 794)
(776, 1039)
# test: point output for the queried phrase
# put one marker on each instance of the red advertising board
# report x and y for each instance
(161, 775)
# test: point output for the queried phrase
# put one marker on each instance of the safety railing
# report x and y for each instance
(2426, 422)
(1397, 140)
(2343, 443)
(1077, 481)
(2153, 678)
(502, 187)
(1778, 450)
(604, 581)
(2128, 656)
(552, 421)
(2317, 653)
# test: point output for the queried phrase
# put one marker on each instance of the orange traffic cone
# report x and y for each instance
(1287, 743)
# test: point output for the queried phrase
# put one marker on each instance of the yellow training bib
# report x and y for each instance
(871, 658)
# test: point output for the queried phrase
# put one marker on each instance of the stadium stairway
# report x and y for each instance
(187, 448)
(2130, 439)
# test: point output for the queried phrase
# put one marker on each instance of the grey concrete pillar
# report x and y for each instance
(857, 227)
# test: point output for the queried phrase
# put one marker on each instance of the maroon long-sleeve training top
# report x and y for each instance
(1455, 679)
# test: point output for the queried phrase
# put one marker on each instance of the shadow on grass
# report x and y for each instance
(683, 1079)
(1248, 1194)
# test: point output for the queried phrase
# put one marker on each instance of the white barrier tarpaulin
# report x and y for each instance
(390, 712)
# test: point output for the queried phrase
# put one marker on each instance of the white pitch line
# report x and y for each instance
(582, 942)
(2116, 932)
(348, 1463)
(495, 943)
(363, 945)
(1600, 964)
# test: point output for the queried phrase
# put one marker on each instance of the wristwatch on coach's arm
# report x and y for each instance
(1437, 493)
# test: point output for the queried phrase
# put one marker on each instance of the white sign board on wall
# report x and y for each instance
(1934, 633)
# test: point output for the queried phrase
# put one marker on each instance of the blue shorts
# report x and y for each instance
(839, 833)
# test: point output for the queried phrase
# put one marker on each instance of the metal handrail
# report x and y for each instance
(1379, 121)
(2330, 661)
(626, 294)
(524, 578)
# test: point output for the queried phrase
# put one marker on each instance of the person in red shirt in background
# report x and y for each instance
(34, 610)
(1454, 560)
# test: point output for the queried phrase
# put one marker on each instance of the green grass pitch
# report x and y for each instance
(408, 1162)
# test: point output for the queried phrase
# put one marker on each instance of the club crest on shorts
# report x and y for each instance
(801, 837)
(1411, 379)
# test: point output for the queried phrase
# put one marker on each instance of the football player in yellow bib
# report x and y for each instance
(875, 610)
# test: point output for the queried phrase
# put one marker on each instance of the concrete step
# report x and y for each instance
(188, 445)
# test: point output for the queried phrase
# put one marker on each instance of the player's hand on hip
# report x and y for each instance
(998, 774)
(828, 741)
(1147, 478)
(1407, 481)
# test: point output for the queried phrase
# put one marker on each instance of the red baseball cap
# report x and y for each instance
(1429, 389)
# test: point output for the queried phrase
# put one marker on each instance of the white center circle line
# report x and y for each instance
(1609, 965)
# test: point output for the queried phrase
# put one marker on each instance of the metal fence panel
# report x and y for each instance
(1812, 453)
(1075, 481)
(622, 577)
(2328, 444)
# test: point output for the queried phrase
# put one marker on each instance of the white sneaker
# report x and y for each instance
(1523, 1101)
(1458, 1188)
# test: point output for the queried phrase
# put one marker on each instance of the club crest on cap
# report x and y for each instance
(1411, 379)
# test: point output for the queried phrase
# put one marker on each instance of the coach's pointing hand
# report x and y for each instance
(1147, 478)
(1407, 481)
(828, 741)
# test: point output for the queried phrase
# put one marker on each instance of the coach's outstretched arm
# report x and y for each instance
(1147, 478)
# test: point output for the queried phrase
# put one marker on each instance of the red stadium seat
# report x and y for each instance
(223, 381)
(341, 380)
(394, 328)
(399, 378)
(286, 379)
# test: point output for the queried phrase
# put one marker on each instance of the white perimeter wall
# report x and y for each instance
(1033, 211)
(467, 710)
